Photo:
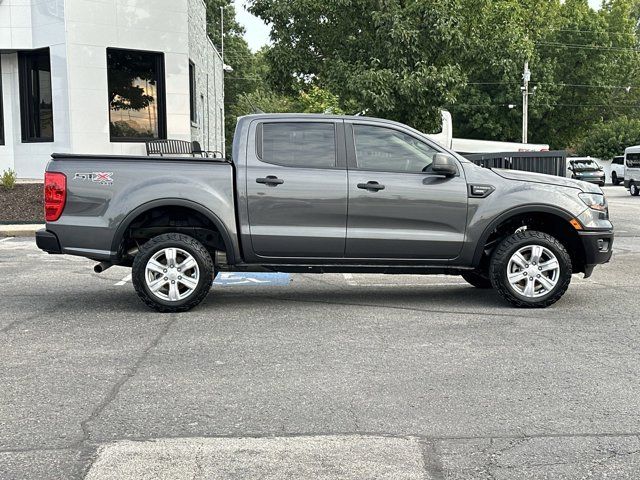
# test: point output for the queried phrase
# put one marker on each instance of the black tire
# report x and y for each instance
(477, 279)
(189, 245)
(509, 246)
(614, 178)
(634, 189)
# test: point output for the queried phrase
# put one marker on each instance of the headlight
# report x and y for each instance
(595, 201)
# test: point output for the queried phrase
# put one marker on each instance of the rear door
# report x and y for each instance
(297, 189)
(399, 209)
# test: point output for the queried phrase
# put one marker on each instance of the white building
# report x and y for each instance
(103, 76)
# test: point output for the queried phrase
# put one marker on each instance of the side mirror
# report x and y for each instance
(444, 165)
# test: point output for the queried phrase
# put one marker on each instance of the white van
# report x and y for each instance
(632, 170)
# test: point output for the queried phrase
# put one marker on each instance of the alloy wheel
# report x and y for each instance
(172, 274)
(533, 271)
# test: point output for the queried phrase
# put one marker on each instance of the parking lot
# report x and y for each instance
(323, 377)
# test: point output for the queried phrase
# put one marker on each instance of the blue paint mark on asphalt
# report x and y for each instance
(252, 278)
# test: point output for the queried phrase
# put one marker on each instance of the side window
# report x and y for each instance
(384, 149)
(303, 144)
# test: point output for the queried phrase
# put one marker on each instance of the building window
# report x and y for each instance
(192, 92)
(136, 95)
(36, 105)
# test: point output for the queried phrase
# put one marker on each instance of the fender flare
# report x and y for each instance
(557, 211)
(175, 202)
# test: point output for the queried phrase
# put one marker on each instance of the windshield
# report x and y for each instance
(584, 165)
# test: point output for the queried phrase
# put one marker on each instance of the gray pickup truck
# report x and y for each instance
(318, 193)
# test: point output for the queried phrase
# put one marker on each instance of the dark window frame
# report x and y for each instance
(260, 146)
(27, 113)
(193, 104)
(1, 108)
(161, 94)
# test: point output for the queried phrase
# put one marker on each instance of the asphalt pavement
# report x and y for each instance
(318, 376)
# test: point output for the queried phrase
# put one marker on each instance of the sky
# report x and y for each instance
(257, 33)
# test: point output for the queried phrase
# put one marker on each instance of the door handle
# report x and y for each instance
(371, 186)
(270, 180)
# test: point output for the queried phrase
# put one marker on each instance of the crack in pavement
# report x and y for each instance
(88, 451)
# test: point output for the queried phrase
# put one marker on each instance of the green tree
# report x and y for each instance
(608, 139)
(406, 59)
(380, 57)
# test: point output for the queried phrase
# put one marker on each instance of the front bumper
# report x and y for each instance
(47, 241)
(598, 248)
(591, 179)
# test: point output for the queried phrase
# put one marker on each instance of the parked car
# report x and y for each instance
(318, 193)
(632, 170)
(617, 170)
(586, 169)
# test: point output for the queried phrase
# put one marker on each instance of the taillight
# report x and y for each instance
(55, 195)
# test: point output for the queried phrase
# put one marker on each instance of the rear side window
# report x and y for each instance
(618, 160)
(291, 144)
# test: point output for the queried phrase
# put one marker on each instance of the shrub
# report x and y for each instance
(8, 179)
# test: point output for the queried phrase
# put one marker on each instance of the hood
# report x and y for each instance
(521, 176)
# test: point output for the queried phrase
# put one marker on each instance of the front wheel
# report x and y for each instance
(633, 189)
(172, 273)
(530, 269)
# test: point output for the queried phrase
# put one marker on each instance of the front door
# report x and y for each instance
(398, 209)
(297, 190)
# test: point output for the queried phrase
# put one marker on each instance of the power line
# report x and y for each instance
(612, 32)
(588, 47)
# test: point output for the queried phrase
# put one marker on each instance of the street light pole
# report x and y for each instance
(526, 76)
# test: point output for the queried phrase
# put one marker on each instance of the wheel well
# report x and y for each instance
(554, 225)
(166, 219)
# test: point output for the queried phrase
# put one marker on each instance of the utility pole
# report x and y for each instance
(526, 76)
(222, 35)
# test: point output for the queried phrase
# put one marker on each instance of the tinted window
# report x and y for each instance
(385, 149)
(136, 95)
(618, 160)
(299, 144)
(36, 105)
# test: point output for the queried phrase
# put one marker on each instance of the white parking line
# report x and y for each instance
(5, 239)
(350, 280)
(123, 281)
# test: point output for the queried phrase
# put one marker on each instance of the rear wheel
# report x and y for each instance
(172, 273)
(633, 189)
(478, 279)
(614, 178)
(531, 269)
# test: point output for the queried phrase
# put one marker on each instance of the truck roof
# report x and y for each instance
(323, 116)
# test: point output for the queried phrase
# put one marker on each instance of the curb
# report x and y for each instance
(28, 230)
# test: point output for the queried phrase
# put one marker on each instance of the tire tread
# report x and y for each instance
(137, 272)
(501, 256)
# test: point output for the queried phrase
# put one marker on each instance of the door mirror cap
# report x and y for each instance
(444, 164)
